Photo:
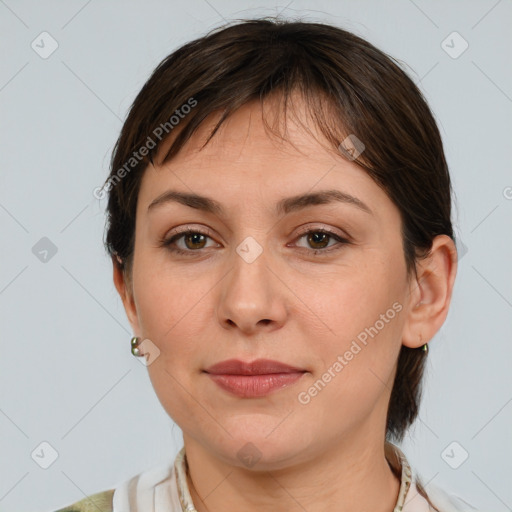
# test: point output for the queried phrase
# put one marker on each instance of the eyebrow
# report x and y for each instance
(284, 206)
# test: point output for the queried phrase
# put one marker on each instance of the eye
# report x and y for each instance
(193, 239)
(319, 239)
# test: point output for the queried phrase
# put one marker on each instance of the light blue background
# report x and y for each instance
(67, 376)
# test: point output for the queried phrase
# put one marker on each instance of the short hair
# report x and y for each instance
(350, 88)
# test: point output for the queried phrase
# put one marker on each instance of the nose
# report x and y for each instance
(252, 297)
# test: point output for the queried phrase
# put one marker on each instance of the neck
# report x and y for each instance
(349, 477)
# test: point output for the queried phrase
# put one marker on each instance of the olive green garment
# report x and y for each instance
(99, 502)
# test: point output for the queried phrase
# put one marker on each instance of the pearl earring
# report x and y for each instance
(425, 346)
(135, 348)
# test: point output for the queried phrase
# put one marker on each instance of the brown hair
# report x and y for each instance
(349, 86)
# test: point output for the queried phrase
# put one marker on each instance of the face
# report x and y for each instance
(317, 285)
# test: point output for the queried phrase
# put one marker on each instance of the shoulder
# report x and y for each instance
(98, 502)
(449, 501)
(441, 500)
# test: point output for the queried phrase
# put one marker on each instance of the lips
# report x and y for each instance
(257, 367)
(253, 379)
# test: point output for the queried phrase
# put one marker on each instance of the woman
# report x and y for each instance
(283, 278)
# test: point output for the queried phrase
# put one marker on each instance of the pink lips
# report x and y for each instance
(253, 379)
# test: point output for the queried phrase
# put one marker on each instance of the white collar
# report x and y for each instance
(165, 489)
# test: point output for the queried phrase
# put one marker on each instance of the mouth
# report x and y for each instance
(253, 379)
(257, 367)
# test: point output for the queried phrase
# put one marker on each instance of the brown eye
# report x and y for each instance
(193, 240)
(188, 241)
(318, 239)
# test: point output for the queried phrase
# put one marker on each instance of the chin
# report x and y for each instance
(261, 449)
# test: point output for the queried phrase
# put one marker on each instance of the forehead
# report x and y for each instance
(257, 123)
(244, 160)
(255, 131)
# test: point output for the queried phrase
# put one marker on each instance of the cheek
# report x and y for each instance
(172, 315)
(341, 306)
(358, 317)
(355, 358)
(168, 303)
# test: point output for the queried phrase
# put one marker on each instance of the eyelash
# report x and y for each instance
(167, 243)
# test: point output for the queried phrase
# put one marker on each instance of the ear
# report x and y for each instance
(430, 293)
(125, 289)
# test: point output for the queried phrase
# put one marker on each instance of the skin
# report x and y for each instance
(288, 305)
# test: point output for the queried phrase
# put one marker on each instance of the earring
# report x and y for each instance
(135, 347)
(425, 346)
